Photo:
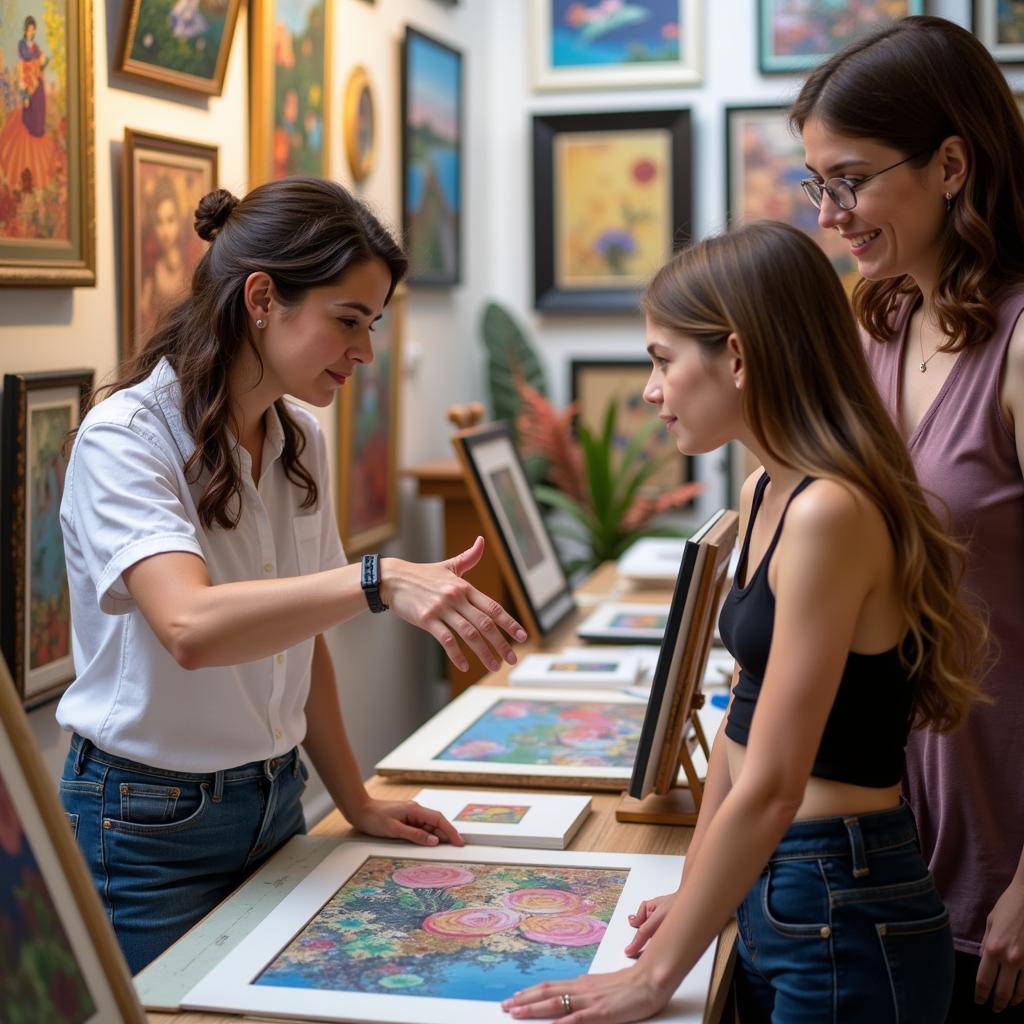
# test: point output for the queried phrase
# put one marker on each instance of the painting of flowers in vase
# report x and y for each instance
(451, 930)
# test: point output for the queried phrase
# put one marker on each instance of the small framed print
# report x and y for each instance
(653, 560)
(543, 821)
(360, 125)
(184, 43)
(164, 179)
(586, 671)
(624, 623)
(514, 526)
(595, 45)
(367, 499)
(611, 203)
(38, 411)
(999, 24)
(795, 35)
(62, 962)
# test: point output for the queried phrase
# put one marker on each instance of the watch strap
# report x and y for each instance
(369, 580)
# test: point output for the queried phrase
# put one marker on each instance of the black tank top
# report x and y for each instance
(866, 732)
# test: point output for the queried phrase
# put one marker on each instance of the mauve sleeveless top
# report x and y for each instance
(967, 789)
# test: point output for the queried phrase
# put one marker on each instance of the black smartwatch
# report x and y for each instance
(369, 580)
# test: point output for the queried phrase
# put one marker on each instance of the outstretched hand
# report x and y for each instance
(404, 819)
(435, 597)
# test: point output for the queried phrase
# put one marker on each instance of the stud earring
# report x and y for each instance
(261, 324)
(949, 201)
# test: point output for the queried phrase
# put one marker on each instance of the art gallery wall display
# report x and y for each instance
(795, 35)
(588, 671)
(999, 24)
(611, 203)
(600, 45)
(551, 739)
(542, 821)
(360, 125)
(164, 179)
(414, 935)
(514, 527)
(184, 43)
(62, 963)
(367, 498)
(432, 159)
(621, 622)
(35, 622)
(47, 157)
(653, 560)
(764, 167)
(289, 111)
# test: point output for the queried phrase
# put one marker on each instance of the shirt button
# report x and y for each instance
(277, 734)
(280, 659)
(268, 567)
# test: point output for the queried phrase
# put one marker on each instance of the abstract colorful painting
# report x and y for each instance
(46, 168)
(493, 814)
(179, 42)
(551, 732)
(626, 620)
(368, 438)
(765, 164)
(614, 43)
(431, 159)
(798, 34)
(455, 931)
(583, 666)
(520, 530)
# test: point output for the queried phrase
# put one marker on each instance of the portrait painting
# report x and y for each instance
(368, 426)
(431, 159)
(38, 411)
(164, 180)
(495, 814)
(794, 35)
(764, 165)
(360, 125)
(47, 229)
(596, 44)
(611, 203)
(999, 24)
(184, 43)
(289, 110)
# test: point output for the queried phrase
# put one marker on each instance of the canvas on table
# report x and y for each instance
(624, 623)
(614, 670)
(543, 821)
(414, 935)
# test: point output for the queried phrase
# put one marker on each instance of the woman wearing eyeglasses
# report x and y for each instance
(916, 151)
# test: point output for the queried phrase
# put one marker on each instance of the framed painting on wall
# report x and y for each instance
(432, 159)
(598, 45)
(611, 202)
(367, 500)
(794, 35)
(178, 42)
(360, 125)
(61, 960)
(764, 165)
(290, 63)
(999, 24)
(38, 411)
(47, 177)
(164, 179)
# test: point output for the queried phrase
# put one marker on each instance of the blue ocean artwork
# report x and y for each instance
(607, 32)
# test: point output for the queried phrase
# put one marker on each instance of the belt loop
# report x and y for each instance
(218, 786)
(860, 858)
(83, 750)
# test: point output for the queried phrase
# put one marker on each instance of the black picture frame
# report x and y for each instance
(550, 294)
(41, 670)
(433, 243)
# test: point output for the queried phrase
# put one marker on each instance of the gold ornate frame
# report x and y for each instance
(359, 163)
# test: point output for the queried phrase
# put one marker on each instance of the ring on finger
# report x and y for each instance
(566, 1002)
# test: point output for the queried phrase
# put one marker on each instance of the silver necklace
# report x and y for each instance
(923, 365)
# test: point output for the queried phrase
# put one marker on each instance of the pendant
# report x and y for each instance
(924, 366)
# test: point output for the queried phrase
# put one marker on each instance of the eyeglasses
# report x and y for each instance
(843, 191)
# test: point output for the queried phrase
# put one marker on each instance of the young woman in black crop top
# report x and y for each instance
(846, 626)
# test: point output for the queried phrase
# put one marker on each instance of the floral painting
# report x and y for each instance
(451, 930)
(582, 733)
(40, 979)
(615, 218)
(493, 814)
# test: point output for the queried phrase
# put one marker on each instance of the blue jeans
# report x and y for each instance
(164, 847)
(845, 926)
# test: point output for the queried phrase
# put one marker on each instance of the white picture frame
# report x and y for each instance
(540, 821)
(621, 622)
(991, 26)
(652, 560)
(474, 717)
(579, 670)
(230, 986)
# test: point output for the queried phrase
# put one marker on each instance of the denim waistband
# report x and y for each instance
(85, 749)
(852, 836)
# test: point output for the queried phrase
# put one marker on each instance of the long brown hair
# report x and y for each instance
(910, 86)
(811, 403)
(302, 232)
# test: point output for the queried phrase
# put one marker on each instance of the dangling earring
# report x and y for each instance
(261, 324)
(949, 201)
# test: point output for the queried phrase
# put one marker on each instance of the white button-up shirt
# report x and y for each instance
(126, 498)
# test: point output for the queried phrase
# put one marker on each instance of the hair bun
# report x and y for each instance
(211, 213)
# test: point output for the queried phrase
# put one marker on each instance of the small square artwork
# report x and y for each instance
(625, 622)
(635, 620)
(493, 814)
(577, 669)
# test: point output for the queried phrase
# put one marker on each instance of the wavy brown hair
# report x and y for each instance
(910, 86)
(812, 405)
(303, 233)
